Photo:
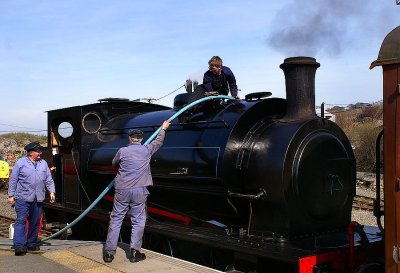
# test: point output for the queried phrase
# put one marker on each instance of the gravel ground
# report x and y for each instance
(5, 209)
(365, 218)
(366, 187)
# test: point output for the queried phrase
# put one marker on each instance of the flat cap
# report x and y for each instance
(33, 146)
(136, 133)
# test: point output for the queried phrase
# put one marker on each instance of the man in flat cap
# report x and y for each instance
(26, 191)
(131, 182)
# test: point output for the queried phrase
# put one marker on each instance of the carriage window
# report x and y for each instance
(65, 129)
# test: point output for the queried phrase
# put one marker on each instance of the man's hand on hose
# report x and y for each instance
(211, 93)
(165, 125)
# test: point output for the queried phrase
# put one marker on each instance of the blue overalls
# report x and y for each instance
(131, 192)
(27, 184)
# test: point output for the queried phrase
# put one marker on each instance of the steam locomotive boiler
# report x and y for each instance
(257, 166)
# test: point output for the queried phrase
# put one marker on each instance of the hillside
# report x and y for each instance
(12, 145)
(362, 123)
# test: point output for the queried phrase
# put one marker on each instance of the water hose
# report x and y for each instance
(109, 186)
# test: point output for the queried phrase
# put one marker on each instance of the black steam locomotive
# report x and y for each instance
(256, 183)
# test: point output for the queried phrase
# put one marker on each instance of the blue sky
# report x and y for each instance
(56, 54)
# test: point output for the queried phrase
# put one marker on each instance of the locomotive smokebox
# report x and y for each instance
(300, 87)
(304, 163)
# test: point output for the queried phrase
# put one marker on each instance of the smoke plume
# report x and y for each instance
(314, 27)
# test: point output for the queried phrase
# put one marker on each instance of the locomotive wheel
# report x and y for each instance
(371, 268)
(100, 230)
(158, 244)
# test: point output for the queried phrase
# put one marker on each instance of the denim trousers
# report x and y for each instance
(134, 201)
(30, 211)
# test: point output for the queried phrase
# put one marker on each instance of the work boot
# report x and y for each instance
(20, 251)
(34, 248)
(108, 257)
(136, 256)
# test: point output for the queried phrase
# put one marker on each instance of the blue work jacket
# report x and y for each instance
(211, 82)
(28, 182)
(134, 163)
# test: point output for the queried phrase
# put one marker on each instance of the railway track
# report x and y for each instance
(7, 218)
(364, 203)
(5, 225)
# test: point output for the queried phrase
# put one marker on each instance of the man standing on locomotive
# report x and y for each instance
(220, 78)
(131, 192)
(217, 80)
(26, 191)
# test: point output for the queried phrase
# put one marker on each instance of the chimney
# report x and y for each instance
(300, 87)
